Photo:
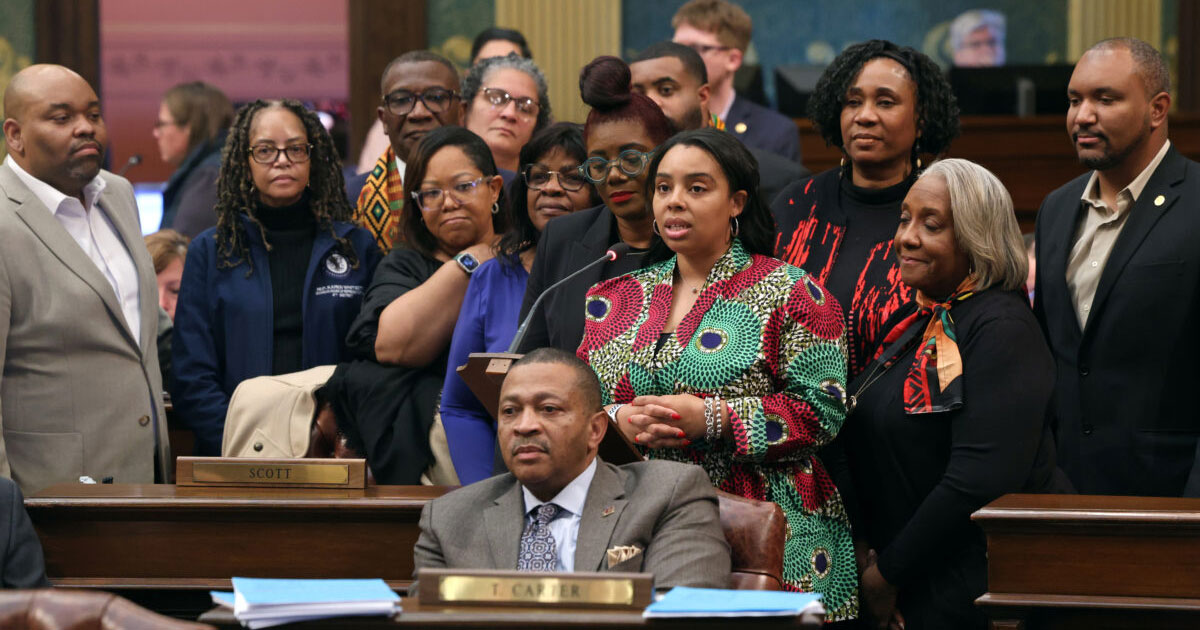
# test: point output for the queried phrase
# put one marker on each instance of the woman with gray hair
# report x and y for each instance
(951, 413)
(505, 102)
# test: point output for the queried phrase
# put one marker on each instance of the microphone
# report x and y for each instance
(133, 161)
(613, 253)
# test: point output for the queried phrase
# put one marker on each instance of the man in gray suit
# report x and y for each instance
(561, 508)
(80, 391)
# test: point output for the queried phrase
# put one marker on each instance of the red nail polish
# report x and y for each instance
(635, 438)
(681, 433)
(687, 442)
(675, 416)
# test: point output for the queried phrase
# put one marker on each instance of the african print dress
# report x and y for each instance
(770, 341)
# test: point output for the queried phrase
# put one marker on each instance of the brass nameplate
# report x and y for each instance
(629, 591)
(311, 473)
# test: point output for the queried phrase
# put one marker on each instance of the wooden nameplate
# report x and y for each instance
(250, 472)
(474, 587)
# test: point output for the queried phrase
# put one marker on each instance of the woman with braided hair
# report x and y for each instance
(274, 287)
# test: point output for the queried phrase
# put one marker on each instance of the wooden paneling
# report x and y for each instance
(68, 34)
(1067, 561)
(380, 30)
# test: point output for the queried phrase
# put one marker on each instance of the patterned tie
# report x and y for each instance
(538, 549)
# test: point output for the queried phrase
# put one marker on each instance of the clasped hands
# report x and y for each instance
(673, 421)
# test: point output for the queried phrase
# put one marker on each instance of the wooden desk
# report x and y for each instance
(1031, 156)
(484, 618)
(144, 541)
(1092, 562)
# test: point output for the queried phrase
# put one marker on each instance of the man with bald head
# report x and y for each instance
(418, 93)
(1118, 282)
(80, 391)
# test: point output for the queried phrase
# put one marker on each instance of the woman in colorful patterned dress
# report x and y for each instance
(717, 354)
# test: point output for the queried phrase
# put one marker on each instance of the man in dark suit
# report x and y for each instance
(720, 32)
(561, 508)
(1118, 269)
(674, 76)
(21, 562)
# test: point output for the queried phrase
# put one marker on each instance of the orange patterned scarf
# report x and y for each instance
(381, 202)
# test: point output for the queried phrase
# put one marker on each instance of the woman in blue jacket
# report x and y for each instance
(550, 185)
(273, 288)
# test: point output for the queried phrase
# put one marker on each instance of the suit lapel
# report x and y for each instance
(594, 243)
(504, 521)
(120, 214)
(1055, 248)
(42, 223)
(1145, 213)
(596, 527)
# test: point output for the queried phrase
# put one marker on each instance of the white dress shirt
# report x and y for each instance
(565, 526)
(96, 236)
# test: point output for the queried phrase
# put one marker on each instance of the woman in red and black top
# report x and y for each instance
(883, 105)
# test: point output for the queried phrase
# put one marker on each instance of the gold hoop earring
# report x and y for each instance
(654, 227)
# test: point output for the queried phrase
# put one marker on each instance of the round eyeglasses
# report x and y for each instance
(268, 154)
(499, 99)
(432, 199)
(631, 162)
(537, 177)
(436, 100)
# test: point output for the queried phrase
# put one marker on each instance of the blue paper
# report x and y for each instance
(267, 592)
(223, 598)
(683, 599)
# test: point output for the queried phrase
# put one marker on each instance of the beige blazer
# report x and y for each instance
(656, 517)
(78, 396)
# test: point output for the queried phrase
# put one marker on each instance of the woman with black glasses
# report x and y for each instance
(551, 185)
(621, 133)
(505, 102)
(273, 288)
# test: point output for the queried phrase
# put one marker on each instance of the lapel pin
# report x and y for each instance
(608, 511)
(740, 127)
(1159, 200)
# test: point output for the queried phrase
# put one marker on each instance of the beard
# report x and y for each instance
(1112, 158)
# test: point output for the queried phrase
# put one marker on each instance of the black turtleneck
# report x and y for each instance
(872, 215)
(290, 231)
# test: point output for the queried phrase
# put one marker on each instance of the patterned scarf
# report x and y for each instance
(933, 384)
(717, 123)
(381, 201)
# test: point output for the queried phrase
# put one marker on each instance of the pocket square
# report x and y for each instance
(621, 553)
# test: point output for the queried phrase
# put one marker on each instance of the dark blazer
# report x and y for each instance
(190, 197)
(21, 563)
(762, 128)
(567, 244)
(775, 173)
(1125, 409)
(667, 509)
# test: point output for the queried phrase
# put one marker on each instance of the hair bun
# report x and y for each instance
(604, 83)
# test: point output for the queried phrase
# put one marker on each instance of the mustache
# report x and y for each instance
(519, 442)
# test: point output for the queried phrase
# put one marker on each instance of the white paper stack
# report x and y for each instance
(262, 603)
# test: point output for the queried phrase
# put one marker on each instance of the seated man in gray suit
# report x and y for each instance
(561, 508)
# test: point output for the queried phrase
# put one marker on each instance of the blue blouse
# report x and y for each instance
(487, 322)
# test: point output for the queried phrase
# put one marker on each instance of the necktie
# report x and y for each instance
(538, 549)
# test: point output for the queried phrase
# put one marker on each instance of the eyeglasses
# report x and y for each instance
(432, 199)
(159, 124)
(704, 49)
(537, 176)
(436, 100)
(499, 99)
(631, 162)
(268, 154)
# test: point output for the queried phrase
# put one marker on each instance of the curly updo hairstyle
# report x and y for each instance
(937, 109)
(236, 194)
(604, 85)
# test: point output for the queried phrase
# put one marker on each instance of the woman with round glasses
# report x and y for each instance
(274, 287)
(621, 133)
(385, 403)
(716, 354)
(505, 101)
(550, 186)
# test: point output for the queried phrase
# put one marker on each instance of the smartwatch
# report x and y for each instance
(467, 262)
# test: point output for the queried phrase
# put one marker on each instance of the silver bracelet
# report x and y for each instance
(719, 420)
(709, 424)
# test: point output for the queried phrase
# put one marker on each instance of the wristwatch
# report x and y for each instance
(468, 262)
(612, 411)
